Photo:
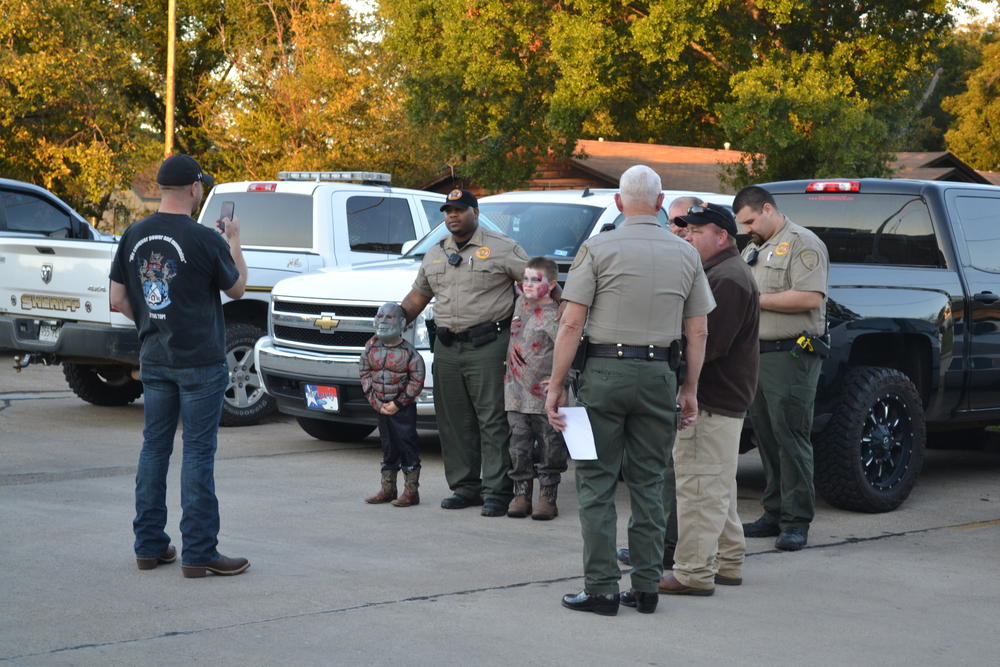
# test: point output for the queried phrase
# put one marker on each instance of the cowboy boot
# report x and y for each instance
(388, 490)
(521, 507)
(410, 485)
(546, 504)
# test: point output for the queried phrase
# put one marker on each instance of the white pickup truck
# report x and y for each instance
(54, 304)
(320, 322)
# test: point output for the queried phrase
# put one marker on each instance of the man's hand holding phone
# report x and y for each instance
(227, 223)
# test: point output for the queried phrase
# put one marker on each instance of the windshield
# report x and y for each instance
(542, 228)
(867, 228)
(547, 229)
(434, 236)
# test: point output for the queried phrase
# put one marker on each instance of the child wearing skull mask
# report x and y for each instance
(392, 376)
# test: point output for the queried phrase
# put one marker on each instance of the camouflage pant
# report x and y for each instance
(525, 431)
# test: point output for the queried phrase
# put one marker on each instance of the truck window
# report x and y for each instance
(980, 221)
(868, 228)
(432, 209)
(23, 212)
(267, 219)
(379, 224)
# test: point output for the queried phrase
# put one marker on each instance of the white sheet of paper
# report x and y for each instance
(578, 435)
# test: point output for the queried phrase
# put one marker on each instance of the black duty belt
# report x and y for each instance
(620, 351)
(783, 345)
(466, 336)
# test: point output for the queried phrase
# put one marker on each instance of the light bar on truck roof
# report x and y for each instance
(834, 186)
(364, 176)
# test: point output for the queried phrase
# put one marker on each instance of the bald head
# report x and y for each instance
(677, 208)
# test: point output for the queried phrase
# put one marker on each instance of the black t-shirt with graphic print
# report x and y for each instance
(173, 269)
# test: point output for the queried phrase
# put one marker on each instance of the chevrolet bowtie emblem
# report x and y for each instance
(326, 323)
(46, 273)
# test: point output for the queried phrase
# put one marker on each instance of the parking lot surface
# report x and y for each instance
(334, 581)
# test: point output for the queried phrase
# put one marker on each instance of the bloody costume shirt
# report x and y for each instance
(529, 355)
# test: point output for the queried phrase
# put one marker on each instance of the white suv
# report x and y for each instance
(320, 322)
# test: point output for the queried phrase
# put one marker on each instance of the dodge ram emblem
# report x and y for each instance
(46, 273)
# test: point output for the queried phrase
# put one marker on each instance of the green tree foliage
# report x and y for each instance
(975, 134)
(803, 119)
(507, 81)
(66, 120)
(305, 87)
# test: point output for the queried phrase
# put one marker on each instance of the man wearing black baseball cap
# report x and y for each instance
(183, 170)
(710, 547)
(166, 277)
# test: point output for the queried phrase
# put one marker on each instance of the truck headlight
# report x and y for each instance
(421, 336)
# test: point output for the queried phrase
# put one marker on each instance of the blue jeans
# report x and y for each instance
(194, 395)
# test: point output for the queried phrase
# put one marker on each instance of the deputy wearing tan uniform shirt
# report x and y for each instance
(790, 265)
(641, 287)
(471, 273)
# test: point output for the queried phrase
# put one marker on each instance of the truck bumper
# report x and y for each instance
(71, 341)
(285, 372)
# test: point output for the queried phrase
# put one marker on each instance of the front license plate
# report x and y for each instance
(322, 398)
(48, 333)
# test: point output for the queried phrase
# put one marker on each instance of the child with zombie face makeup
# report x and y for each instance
(392, 376)
(529, 362)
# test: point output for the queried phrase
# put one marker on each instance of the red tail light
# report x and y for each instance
(262, 187)
(834, 186)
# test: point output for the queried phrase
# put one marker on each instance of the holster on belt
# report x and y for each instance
(580, 358)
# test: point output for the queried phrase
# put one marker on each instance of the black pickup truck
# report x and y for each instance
(914, 322)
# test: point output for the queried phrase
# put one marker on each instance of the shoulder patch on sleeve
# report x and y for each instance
(809, 259)
(579, 257)
(520, 253)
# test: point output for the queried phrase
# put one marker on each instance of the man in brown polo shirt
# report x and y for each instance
(710, 545)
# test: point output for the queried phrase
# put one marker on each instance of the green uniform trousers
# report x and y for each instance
(472, 422)
(630, 403)
(782, 415)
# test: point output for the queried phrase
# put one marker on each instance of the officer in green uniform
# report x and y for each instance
(790, 265)
(641, 287)
(471, 274)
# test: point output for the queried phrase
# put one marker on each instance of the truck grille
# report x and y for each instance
(340, 310)
(339, 328)
(317, 337)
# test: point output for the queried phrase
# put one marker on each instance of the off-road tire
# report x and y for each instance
(245, 402)
(331, 431)
(871, 452)
(102, 385)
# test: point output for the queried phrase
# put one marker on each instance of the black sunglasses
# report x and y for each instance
(752, 256)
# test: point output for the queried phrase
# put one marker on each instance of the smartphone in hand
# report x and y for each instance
(228, 209)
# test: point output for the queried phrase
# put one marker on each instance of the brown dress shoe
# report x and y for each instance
(670, 586)
(723, 580)
(168, 556)
(224, 566)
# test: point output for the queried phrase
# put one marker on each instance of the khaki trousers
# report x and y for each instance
(709, 533)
